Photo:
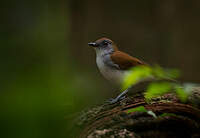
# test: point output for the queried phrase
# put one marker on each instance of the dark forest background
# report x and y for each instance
(48, 73)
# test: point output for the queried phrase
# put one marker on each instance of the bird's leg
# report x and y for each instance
(119, 97)
(138, 87)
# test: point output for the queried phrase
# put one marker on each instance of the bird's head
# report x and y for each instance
(103, 45)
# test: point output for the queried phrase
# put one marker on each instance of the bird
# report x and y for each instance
(113, 64)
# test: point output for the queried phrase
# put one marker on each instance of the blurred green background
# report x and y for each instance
(49, 74)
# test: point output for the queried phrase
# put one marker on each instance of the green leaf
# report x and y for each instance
(140, 73)
(172, 73)
(142, 109)
(137, 109)
(181, 93)
(136, 74)
(158, 72)
(167, 114)
(165, 73)
(156, 89)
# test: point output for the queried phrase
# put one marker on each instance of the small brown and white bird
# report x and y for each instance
(113, 64)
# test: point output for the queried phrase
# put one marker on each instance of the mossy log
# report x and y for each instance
(174, 119)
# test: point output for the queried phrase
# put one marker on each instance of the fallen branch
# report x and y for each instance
(174, 119)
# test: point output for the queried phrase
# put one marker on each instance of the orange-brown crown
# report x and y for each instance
(101, 40)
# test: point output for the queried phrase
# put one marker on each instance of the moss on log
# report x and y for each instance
(174, 119)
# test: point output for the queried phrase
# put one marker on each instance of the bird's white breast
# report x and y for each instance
(114, 75)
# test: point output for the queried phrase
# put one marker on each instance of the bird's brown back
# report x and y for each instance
(125, 61)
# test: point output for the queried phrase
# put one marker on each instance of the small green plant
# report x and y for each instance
(137, 109)
(167, 114)
(142, 109)
(181, 93)
(136, 74)
(155, 89)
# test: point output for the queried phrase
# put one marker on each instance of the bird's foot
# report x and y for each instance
(120, 97)
(115, 100)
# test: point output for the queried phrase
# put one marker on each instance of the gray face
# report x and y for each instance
(104, 43)
(101, 44)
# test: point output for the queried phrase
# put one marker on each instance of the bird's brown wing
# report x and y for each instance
(125, 61)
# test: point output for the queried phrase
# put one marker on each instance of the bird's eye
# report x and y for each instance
(105, 43)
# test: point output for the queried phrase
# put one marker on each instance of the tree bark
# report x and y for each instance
(181, 120)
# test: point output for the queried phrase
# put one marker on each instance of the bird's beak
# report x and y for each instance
(92, 44)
